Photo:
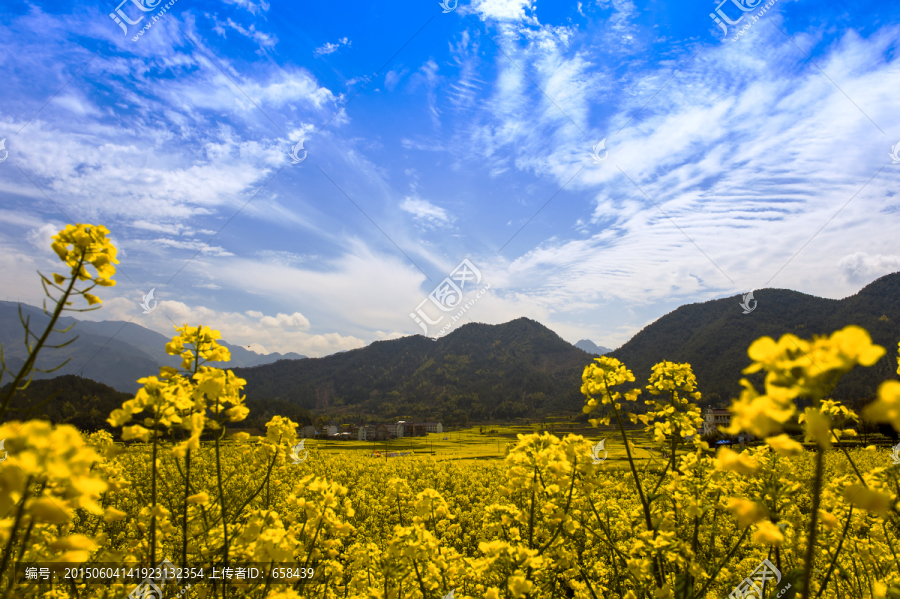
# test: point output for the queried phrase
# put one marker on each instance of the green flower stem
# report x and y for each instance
(153, 497)
(837, 553)
(634, 473)
(657, 571)
(222, 505)
(184, 519)
(702, 592)
(813, 523)
(32, 355)
(7, 552)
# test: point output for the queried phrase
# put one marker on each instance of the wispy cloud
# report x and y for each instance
(330, 48)
(426, 213)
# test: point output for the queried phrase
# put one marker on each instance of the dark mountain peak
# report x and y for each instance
(714, 336)
(476, 371)
(886, 287)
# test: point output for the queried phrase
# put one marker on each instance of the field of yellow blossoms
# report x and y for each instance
(771, 521)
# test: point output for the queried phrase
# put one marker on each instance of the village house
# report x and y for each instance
(365, 432)
(715, 419)
(395, 430)
(308, 432)
(381, 432)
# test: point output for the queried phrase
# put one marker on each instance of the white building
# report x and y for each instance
(330, 430)
(716, 419)
(396, 430)
(308, 432)
(366, 432)
(433, 427)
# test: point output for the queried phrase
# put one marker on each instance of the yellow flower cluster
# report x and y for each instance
(797, 368)
(84, 244)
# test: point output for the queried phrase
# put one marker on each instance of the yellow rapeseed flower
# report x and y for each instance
(86, 244)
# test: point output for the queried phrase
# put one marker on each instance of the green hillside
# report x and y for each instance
(523, 369)
(478, 372)
(714, 336)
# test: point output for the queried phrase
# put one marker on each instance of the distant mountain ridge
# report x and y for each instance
(521, 368)
(714, 336)
(591, 348)
(479, 372)
(112, 352)
(516, 369)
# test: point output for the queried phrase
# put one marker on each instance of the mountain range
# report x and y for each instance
(499, 372)
(592, 348)
(113, 352)
(521, 368)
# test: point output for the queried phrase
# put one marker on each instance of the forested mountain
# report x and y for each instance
(521, 368)
(86, 404)
(714, 336)
(67, 399)
(478, 372)
(113, 352)
(516, 369)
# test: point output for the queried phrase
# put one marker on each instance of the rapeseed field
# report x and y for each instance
(84, 516)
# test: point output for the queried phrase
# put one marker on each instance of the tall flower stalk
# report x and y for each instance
(78, 246)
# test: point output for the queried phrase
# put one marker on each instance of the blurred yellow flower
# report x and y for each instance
(767, 533)
(867, 499)
(784, 445)
(887, 407)
(728, 460)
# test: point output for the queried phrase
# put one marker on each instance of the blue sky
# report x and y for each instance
(730, 164)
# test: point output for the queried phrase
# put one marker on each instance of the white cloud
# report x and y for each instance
(861, 268)
(330, 48)
(503, 10)
(236, 328)
(252, 7)
(392, 78)
(208, 250)
(42, 238)
(426, 213)
(266, 40)
(284, 321)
